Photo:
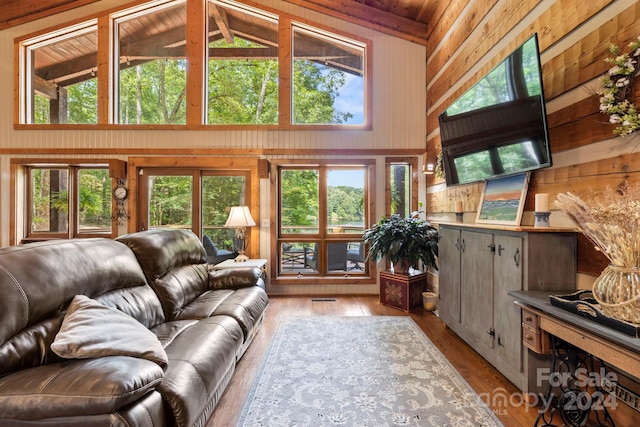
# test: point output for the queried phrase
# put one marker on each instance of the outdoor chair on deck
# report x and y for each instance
(336, 258)
(356, 256)
(216, 255)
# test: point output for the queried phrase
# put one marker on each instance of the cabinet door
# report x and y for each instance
(507, 319)
(476, 290)
(449, 275)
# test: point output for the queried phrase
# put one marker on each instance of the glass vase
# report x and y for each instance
(617, 290)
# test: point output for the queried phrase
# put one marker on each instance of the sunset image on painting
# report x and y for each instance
(501, 200)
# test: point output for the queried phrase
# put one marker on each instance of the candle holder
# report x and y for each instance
(459, 216)
(541, 219)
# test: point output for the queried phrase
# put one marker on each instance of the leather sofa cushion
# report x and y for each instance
(180, 287)
(245, 305)
(39, 280)
(76, 387)
(90, 329)
(201, 361)
(30, 347)
(174, 262)
(160, 251)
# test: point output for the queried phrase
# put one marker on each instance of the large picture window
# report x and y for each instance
(61, 89)
(328, 78)
(242, 78)
(152, 69)
(322, 215)
(168, 63)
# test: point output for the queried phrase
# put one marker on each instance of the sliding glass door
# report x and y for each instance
(193, 199)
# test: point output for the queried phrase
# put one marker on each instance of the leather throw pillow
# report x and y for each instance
(90, 330)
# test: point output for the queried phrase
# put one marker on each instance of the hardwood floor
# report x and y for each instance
(482, 377)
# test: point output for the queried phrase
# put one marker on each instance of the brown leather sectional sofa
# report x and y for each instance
(136, 331)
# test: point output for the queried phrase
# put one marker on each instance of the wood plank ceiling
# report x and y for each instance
(405, 19)
(162, 35)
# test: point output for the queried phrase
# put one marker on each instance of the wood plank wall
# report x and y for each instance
(468, 38)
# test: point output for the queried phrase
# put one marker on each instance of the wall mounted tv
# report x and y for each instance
(499, 126)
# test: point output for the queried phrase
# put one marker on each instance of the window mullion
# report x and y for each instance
(105, 81)
(196, 62)
(322, 203)
(285, 87)
(73, 201)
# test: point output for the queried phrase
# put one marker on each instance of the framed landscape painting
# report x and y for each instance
(502, 200)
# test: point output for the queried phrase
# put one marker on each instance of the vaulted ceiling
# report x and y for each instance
(406, 19)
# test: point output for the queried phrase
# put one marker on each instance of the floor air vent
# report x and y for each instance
(323, 299)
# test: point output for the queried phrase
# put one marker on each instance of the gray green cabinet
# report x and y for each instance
(478, 266)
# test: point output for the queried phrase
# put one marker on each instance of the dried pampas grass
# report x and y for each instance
(611, 222)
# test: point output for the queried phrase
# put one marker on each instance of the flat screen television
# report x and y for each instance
(499, 126)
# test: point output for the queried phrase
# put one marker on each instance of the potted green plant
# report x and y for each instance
(403, 241)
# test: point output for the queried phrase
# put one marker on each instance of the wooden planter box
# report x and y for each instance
(403, 291)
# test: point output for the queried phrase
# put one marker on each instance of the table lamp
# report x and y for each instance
(240, 218)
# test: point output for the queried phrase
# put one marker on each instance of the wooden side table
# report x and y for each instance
(250, 263)
(403, 291)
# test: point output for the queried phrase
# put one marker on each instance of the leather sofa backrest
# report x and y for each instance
(39, 280)
(175, 263)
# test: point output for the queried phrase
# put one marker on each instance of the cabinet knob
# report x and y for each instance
(528, 318)
(528, 337)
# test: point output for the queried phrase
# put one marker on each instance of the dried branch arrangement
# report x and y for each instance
(611, 222)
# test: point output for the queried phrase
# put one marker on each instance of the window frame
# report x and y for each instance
(412, 162)
(368, 274)
(247, 167)
(335, 38)
(196, 71)
(24, 80)
(20, 220)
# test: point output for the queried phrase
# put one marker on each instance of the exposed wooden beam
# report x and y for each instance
(370, 17)
(45, 88)
(220, 17)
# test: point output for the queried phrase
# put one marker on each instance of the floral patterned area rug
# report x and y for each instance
(359, 371)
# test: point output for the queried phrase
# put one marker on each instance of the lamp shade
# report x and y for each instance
(239, 216)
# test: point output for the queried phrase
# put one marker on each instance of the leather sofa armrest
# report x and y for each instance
(235, 278)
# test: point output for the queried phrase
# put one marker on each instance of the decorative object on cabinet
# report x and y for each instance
(612, 222)
(403, 241)
(502, 200)
(541, 219)
(541, 212)
(616, 96)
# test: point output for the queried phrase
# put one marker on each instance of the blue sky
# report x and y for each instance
(351, 99)
(349, 178)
